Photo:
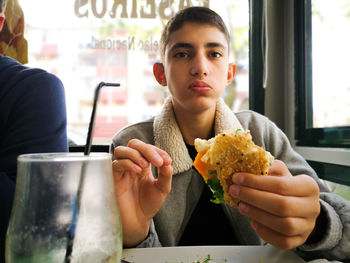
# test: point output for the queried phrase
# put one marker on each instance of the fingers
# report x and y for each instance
(276, 239)
(283, 196)
(286, 226)
(164, 179)
(300, 185)
(278, 168)
(274, 203)
(283, 207)
(282, 232)
(151, 153)
(140, 154)
(129, 159)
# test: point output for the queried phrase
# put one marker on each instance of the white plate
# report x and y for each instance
(218, 254)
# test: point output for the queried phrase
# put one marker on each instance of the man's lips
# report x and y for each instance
(200, 86)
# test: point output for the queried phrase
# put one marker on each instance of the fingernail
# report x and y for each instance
(157, 159)
(166, 158)
(234, 190)
(238, 178)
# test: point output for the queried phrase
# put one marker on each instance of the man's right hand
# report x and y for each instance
(139, 194)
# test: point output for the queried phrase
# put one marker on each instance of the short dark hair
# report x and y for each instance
(196, 14)
(2, 5)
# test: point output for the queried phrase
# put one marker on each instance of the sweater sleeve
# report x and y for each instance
(35, 119)
(152, 239)
(335, 245)
(336, 242)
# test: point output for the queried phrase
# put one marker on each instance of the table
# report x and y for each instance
(217, 254)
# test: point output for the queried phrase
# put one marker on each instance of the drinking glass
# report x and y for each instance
(50, 212)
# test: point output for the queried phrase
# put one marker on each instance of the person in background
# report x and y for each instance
(12, 41)
(32, 120)
(163, 201)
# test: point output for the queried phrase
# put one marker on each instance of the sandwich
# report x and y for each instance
(225, 154)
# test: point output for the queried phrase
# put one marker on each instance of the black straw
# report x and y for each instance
(71, 232)
(92, 119)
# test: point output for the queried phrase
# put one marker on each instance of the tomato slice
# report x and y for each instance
(202, 167)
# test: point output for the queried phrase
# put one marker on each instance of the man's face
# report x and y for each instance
(196, 67)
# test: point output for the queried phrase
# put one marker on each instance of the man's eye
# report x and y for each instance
(215, 54)
(181, 55)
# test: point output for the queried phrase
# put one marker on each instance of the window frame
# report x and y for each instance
(256, 62)
(305, 134)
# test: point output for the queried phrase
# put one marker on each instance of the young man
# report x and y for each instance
(164, 201)
(32, 120)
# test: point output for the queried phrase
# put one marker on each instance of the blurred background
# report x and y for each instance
(86, 42)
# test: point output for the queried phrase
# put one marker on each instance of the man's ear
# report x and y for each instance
(231, 73)
(2, 21)
(158, 72)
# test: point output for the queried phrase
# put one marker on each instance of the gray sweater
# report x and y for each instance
(171, 220)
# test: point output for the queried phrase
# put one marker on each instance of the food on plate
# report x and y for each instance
(206, 259)
(225, 154)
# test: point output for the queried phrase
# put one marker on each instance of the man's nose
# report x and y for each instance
(199, 66)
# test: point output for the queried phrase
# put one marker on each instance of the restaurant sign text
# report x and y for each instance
(163, 9)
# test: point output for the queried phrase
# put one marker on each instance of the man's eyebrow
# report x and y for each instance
(215, 44)
(190, 46)
(181, 45)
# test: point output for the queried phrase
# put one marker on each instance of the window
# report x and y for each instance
(323, 89)
(323, 105)
(330, 56)
(85, 42)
